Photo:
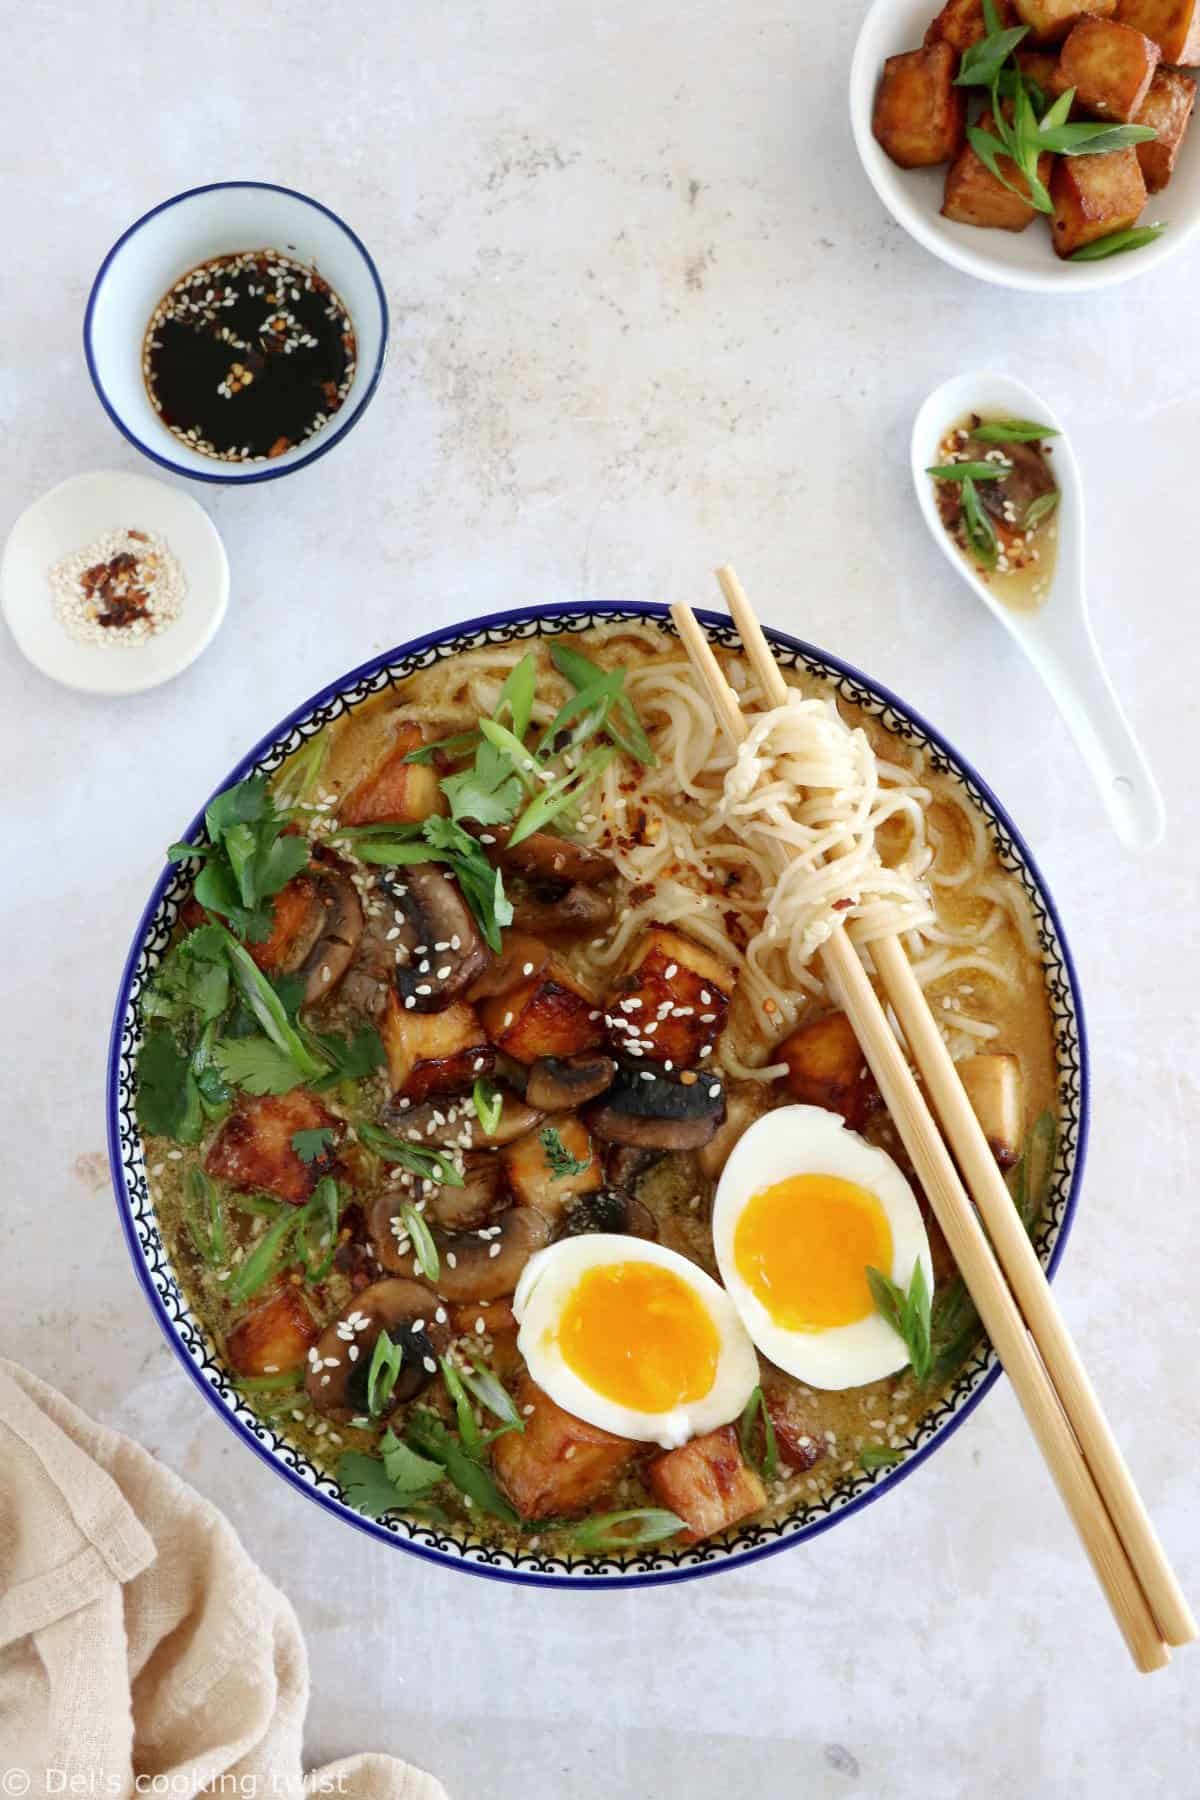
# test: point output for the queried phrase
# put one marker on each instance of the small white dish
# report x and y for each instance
(1013, 259)
(67, 519)
(1057, 637)
(192, 228)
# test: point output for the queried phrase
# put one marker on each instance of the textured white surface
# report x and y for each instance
(647, 315)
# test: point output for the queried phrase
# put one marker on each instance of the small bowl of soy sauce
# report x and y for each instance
(236, 332)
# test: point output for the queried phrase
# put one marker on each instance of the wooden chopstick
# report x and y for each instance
(1010, 1240)
(964, 1234)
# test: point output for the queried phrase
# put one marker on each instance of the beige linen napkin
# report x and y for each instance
(141, 1651)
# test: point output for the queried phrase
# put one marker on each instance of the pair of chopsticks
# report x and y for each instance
(1004, 1276)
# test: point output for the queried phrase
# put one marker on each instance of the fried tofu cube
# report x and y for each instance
(961, 22)
(548, 1014)
(974, 196)
(1173, 24)
(275, 1338)
(707, 1483)
(1044, 69)
(1049, 21)
(920, 116)
(253, 1149)
(745, 1101)
(1110, 66)
(396, 790)
(826, 1067)
(434, 1053)
(539, 1167)
(1093, 196)
(671, 1001)
(558, 1465)
(296, 920)
(1168, 109)
(994, 1088)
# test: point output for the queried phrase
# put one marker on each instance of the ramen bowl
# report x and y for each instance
(188, 1336)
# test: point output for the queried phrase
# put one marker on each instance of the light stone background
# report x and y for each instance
(647, 316)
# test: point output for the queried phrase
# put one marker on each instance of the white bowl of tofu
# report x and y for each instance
(1126, 61)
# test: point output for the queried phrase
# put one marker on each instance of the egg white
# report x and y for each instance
(547, 1282)
(803, 1140)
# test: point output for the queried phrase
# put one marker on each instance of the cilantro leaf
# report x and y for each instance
(426, 1434)
(353, 1058)
(256, 1064)
(312, 1146)
(168, 1100)
(366, 1486)
(410, 1474)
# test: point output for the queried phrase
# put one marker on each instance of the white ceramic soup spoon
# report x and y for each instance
(1056, 636)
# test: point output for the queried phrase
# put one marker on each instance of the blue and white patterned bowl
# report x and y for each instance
(187, 1335)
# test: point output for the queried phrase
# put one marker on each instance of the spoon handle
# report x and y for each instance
(1069, 663)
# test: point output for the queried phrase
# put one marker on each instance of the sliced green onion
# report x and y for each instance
(626, 1530)
(206, 1217)
(456, 745)
(970, 471)
(559, 795)
(432, 1165)
(878, 1456)
(269, 1010)
(754, 1409)
(383, 1373)
(468, 1425)
(522, 760)
(980, 532)
(1012, 431)
(424, 1249)
(267, 1256)
(1040, 509)
(288, 1381)
(491, 1392)
(1116, 243)
(488, 1102)
(426, 1434)
(517, 694)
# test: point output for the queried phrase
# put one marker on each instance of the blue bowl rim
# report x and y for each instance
(325, 441)
(531, 1578)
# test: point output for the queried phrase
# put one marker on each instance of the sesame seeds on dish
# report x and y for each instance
(119, 589)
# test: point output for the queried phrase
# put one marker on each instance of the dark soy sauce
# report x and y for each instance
(248, 355)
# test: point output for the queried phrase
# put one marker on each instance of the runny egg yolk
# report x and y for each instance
(803, 1247)
(639, 1335)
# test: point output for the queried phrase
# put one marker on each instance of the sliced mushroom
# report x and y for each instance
(368, 981)
(625, 1163)
(449, 1209)
(558, 1082)
(446, 950)
(487, 1264)
(339, 1364)
(551, 909)
(609, 1209)
(316, 928)
(545, 857)
(652, 1110)
(455, 1121)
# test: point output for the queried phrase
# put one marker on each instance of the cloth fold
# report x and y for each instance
(141, 1651)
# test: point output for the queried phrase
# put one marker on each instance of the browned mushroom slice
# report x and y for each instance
(487, 1264)
(624, 1164)
(455, 1121)
(544, 857)
(315, 930)
(559, 1082)
(651, 1110)
(550, 910)
(450, 1209)
(339, 1363)
(609, 1210)
(446, 952)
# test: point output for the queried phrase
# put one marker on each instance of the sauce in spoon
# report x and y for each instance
(1000, 504)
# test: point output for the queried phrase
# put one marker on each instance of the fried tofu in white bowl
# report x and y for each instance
(1036, 144)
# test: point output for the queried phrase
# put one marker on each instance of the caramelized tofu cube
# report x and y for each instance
(920, 116)
(994, 1088)
(826, 1067)
(548, 1014)
(275, 1338)
(974, 196)
(530, 1166)
(1093, 196)
(434, 1053)
(397, 791)
(1168, 109)
(253, 1149)
(1173, 24)
(707, 1484)
(672, 1001)
(745, 1101)
(961, 22)
(1049, 21)
(1044, 69)
(1110, 66)
(558, 1465)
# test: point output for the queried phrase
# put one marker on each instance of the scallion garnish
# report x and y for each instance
(488, 1102)
(1117, 243)
(878, 1456)
(1012, 431)
(970, 471)
(626, 1530)
(205, 1216)
(383, 1372)
(978, 528)
(755, 1410)
(431, 1165)
(425, 1251)
(907, 1314)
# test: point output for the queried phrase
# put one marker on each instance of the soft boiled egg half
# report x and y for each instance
(802, 1209)
(633, 1338)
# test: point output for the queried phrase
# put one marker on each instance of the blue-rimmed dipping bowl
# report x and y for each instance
(187, 1335)
(191, 228)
